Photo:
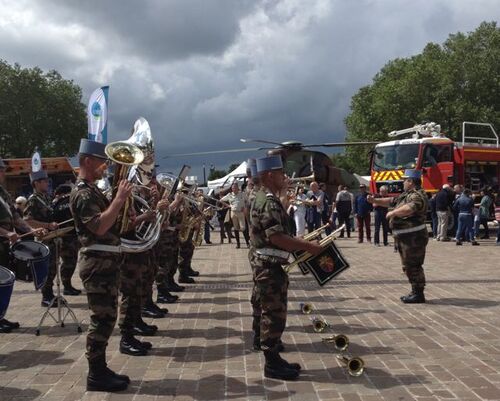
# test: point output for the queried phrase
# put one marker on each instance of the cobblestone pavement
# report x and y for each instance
(447, 349)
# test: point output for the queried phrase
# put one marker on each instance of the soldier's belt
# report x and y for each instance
(282, 256)
(409, 230)
(102, 248)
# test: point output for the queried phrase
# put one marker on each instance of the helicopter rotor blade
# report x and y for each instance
(247, 140)
(211, 152)
(339, 144)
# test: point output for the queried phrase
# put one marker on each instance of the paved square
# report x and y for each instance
(447, 349)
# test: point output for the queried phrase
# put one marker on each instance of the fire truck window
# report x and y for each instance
(430, 156)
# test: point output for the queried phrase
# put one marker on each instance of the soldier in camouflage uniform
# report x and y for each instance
(409, 231)
(68, 251)
(271, 233)
(10, 221)
(99, 267)
(186, 251)
(38, 213)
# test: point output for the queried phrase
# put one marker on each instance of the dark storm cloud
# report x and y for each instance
(206, 73)
(158, 29)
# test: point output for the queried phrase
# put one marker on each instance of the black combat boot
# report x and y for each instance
(70, 290)
(5, 328)
(11, 325)
(101, 378)
(275, 369)
(165, 297)
(192, 273)
(256, 333)
(171, 285)
(132, 346)
(237, 236)
(47, 297)
(143, 329)
(415, 297)
(152, 310)
(184, 277)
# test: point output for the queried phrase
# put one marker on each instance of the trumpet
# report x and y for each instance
(319, 324)
(316, 233)
(339, 341)
(355, 365)
(306, 308)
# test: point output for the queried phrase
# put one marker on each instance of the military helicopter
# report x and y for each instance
(299, 161)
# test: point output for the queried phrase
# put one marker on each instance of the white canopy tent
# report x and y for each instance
(239, 173)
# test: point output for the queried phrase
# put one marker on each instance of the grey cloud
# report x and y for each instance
(206, 73)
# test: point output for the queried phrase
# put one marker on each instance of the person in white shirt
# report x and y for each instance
(238, 202)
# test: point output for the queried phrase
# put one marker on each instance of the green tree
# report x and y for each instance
(214, 174)
(41, 110)
(450, 83)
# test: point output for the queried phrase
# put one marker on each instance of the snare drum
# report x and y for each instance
(7, 279)
(37, 256)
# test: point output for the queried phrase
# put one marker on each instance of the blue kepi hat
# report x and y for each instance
(92, 148)
(415, 174)
(269, 163)
(38, 175)
(252, 166)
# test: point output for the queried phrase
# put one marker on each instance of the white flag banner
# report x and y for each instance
(97, 112)
(36, 162)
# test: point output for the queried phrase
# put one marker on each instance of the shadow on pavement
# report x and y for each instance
(214, 333)
(28, 358)
(202, 353)
(464, 302)
(212, 388)
(12, 393)
(372, 378)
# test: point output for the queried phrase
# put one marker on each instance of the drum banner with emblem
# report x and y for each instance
(328, 264)
(303, 265)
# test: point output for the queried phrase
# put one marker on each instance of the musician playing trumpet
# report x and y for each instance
(272, 241)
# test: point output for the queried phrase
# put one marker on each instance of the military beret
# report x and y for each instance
(415, 174)
(92, 148)
(269, 163)
(38, 175)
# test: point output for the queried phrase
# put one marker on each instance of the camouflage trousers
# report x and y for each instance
(186, 250)
(271, 284)
(168, 253)
(100, 274)
(68, 255)
(149, 272)
(47, 291)
(254, 298)
(411, 248)
(131, 277)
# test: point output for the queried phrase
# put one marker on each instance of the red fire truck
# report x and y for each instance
(474, 162)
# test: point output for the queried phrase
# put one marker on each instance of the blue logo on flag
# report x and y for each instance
(96, 110)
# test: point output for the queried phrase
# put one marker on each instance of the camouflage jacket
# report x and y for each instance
(417, 200)
(7, 210)
(267, 217)
(38, 208)
(87, 203)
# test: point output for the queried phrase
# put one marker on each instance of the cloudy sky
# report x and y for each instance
(205, 73)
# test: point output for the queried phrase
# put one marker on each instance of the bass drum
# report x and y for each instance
(7, 279)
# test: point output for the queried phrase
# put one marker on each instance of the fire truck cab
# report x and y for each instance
(474, 162)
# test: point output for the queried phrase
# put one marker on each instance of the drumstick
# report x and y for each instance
(65, 222)
(19, 236)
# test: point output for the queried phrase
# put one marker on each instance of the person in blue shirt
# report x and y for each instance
(463, 207)
(362, 210)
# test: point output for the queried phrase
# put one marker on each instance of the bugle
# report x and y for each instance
(339, 341)
(355, 365)
(319, 324)
(316, 233)
(306, 308)
(306, 255)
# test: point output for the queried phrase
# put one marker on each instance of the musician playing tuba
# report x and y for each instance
(95, 219)
(272, 242)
